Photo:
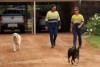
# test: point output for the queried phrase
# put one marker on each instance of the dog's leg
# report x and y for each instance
(19, 44)
(73, 60)
(69, 56)
(14, 47)
(77, 59)
(18, 47)
(75, 63)
(68, 59)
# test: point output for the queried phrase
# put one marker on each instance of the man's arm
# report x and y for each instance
(71, 27)
(82, 22)
(59, 21)
(71, 24)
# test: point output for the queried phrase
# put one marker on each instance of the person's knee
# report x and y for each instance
(75, 36)
(55, 33)
(80, 37)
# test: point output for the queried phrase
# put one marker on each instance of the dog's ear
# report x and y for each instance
(78, 48)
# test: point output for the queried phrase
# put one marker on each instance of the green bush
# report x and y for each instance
(93, 24)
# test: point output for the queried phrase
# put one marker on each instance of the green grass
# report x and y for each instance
(94, 41)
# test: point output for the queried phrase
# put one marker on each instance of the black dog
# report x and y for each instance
(74, 53)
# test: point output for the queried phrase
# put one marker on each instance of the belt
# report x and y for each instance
(52, 20)
(76, 23)
(53, 23)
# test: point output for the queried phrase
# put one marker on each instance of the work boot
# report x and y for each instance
(52, 46)
(80, 47)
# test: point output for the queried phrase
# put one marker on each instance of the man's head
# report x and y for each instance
(76, 10)
(53, 7)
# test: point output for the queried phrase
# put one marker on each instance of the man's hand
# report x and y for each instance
(46, 27)
(59, 27)
(79, 26)
(70, 29)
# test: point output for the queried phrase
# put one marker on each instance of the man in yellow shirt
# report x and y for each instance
(53, 23)
(77, 22)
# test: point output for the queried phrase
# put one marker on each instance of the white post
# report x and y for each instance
(34, 17)
(80, 2)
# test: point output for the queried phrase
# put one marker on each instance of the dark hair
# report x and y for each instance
(52, 5)
(76, 8)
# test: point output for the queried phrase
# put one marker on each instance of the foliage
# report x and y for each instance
(93, 24)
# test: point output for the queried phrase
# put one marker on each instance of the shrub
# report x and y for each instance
(93, 24)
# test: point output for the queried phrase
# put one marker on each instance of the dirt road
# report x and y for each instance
(36, 52)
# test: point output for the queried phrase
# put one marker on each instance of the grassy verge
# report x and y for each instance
(94, 41)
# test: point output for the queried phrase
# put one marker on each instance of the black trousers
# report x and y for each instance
(77, 32)
(53, 30)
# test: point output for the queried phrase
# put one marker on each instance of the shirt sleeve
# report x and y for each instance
(82, 18)
(46, 19)
(58, 17)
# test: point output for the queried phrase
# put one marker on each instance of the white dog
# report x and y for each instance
(17, 41)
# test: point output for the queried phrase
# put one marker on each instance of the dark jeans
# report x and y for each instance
(53, 29)
(77, 32)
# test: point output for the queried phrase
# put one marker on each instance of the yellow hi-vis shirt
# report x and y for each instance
(52, 16)
(77, 18)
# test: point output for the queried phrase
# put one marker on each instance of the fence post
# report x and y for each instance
(34, 17)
